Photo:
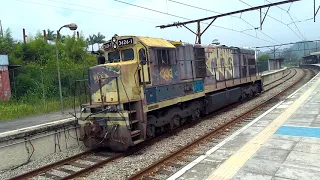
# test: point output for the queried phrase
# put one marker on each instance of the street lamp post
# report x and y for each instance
(72, 27)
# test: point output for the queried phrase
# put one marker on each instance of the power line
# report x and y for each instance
(275, 20)
(190, 19)
(287, 44)
(196, 7)
(308, 19)
(291, 19)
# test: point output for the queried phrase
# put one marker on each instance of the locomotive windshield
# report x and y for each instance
(124, 55)
(114, 56)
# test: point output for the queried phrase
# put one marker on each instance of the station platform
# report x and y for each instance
(31, 122)
(283, 143)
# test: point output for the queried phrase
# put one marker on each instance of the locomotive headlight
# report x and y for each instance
(114, 39)
(115, 46)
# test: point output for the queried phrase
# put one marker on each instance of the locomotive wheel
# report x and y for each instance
(176, 121)
(151, 131)
(196, 114)
(251, 93)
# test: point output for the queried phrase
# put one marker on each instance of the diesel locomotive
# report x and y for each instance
(144, 86)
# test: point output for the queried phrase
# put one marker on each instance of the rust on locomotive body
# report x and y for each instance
(145, 86)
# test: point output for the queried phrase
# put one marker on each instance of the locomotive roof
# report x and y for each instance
(160, 42)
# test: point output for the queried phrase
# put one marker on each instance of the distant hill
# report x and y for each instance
(294, 53)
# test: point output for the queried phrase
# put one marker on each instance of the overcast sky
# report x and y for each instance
(111, 17)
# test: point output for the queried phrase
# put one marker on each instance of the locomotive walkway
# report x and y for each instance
(283, 143)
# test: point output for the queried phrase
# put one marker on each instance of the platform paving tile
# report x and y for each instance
(290, 172)
(310, 140)
(238, 141)
(303, 158)
(220, 155)
(280, 144)
(308, 111)
(261, 123)
(307, 147)
(302, 118)
(295, 123)
(271, 116)
(278, 155)
(261, 166)
(244, 175)
(251, 131)
(317, 124)
(280, 178)
(286, 137)
(199, 171)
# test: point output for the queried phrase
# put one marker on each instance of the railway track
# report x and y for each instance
(292, 72)
(72, 167)
(86, 162)
(176, 160)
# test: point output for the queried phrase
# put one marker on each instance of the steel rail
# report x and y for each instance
(93, 167)
(152, 168)
(51, 166)
(279, 81)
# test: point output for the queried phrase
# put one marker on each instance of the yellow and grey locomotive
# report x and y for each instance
(144, 86)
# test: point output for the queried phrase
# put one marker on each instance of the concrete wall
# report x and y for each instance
(271, 76)
(19, 147)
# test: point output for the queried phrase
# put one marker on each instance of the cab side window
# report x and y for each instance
(142, 56)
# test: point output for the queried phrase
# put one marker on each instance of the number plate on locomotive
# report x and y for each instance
(124, 42)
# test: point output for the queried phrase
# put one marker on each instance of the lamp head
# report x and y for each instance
(71, 26)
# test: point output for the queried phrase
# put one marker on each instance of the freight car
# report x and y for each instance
(146, 86)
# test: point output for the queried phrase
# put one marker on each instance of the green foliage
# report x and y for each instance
(34, 85)
(6, 42)
(263, 57)
(93, 39)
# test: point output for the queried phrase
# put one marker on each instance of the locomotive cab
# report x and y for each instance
(115, 87)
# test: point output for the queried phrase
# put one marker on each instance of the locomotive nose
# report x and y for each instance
(93, 130)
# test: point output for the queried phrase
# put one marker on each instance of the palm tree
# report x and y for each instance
(91, 40)
(99, 38)
(51, 36)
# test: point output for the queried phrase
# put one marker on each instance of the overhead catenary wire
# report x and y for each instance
(287, 11)
(196, 7)
(275, 20)
(173, 15)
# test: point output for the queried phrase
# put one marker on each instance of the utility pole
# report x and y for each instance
(24, 35)
(1, 29)
(44, 35)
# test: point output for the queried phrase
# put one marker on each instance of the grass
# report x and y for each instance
(19, 109)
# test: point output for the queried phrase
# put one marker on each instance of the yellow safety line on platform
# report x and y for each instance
(231, 166)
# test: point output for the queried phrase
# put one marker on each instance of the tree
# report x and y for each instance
(99, 38)
(51, 35)
(264, 57)
(91, 40)
(6, 42)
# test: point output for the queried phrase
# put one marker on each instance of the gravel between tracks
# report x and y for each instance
(124, 167)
